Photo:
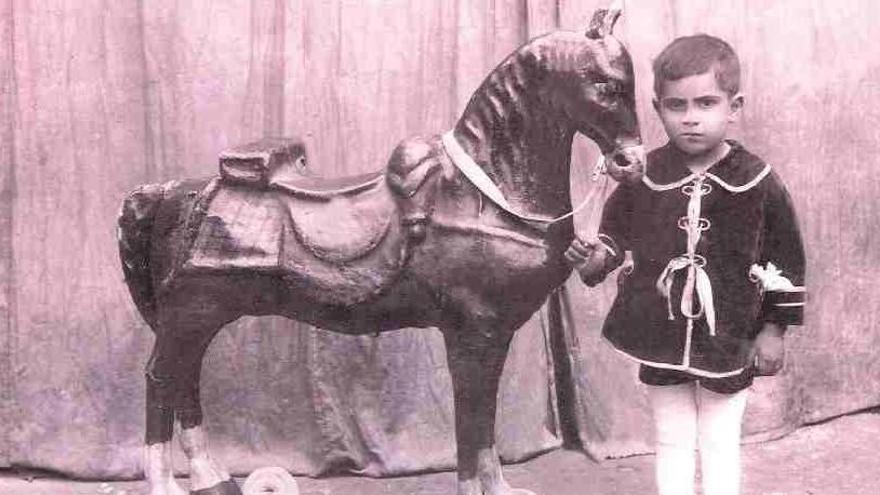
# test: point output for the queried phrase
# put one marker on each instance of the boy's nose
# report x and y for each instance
(690, 117)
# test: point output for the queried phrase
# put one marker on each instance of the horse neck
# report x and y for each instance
(520, 141)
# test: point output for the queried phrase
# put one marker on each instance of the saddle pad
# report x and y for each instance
(241, 229)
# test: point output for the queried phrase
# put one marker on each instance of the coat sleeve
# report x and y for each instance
(782, 261)
(614, 230)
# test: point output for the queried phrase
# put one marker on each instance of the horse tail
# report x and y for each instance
(135, 233)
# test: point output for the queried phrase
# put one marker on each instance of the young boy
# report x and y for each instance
(718, 268)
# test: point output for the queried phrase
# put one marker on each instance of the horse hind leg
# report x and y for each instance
(158, 466)
(207, 476)
(173, 393)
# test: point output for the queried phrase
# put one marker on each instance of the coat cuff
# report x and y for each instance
(613, 249)
(785, 307)
(613, 258)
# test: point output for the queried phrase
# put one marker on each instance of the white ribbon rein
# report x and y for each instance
(484, 183)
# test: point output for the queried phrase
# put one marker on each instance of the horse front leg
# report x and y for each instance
(476, 359)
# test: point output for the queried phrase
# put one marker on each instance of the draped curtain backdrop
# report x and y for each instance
(99, 96)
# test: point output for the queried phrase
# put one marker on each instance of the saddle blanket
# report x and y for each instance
(341, 249)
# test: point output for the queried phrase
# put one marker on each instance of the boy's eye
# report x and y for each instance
(674, 104)
(707, 102)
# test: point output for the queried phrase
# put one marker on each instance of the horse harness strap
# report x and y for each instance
(483, 182)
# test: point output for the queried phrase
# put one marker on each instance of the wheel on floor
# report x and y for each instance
(270, 480)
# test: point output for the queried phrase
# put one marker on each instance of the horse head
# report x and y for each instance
(596, 89)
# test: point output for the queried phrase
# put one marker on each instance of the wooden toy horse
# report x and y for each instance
(459, 232)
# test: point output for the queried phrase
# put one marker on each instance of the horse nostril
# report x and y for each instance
(621, 160)
(623, 170)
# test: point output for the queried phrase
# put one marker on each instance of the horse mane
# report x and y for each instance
(519, 133)
(515, 80)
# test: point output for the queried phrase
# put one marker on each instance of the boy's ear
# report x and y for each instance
(736, 105)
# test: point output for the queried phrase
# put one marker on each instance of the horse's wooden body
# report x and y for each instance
(470, 269)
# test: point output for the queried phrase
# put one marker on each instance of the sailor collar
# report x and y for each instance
(737, 172)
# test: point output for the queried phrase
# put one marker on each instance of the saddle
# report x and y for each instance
(339, 240)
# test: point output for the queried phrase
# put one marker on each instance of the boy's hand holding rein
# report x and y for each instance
(768, 349)
(592, 259)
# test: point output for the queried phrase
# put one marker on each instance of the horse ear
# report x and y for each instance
(596, 25)
(603, 21)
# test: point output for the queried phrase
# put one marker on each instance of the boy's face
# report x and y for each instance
(696, 112)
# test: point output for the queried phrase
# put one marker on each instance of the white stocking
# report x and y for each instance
(720, 423)
(675, 433)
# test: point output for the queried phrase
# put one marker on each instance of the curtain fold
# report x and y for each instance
(7, 143)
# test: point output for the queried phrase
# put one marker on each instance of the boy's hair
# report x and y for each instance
(694, 55)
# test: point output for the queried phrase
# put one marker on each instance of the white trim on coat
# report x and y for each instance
(681, 367)
(734, 189)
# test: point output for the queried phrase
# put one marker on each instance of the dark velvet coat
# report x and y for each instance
(744, 220)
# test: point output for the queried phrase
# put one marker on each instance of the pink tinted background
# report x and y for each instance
(97, 97)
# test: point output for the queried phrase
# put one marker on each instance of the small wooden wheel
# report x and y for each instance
(274, 480)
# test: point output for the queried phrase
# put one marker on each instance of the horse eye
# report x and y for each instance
(608, 88)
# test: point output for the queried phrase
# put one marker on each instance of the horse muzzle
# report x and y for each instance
(627, 163)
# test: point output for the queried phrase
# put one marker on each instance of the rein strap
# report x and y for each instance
(483, 182)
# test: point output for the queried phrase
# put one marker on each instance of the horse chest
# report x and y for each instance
(488, 259)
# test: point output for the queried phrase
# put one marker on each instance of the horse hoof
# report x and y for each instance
(270, 480)
(228, 487)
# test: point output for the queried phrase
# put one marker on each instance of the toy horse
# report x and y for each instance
(463, 232)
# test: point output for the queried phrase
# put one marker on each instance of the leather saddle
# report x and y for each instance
(340, 240)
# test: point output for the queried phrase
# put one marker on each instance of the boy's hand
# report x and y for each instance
(589, 259)
(768, 350)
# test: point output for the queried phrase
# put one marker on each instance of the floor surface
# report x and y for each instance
(836, 457)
